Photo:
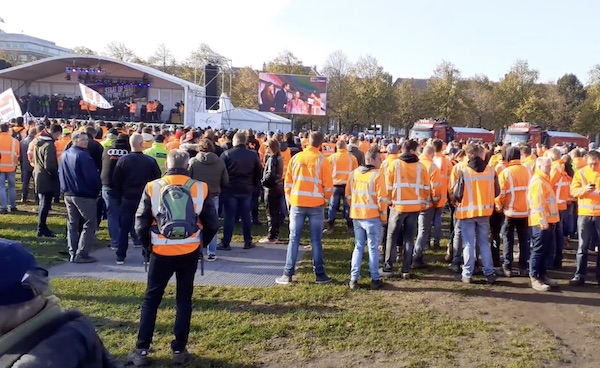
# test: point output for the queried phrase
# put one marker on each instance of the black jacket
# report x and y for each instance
(244, 169)
(360, 157)
(110, 156)
(272, 178)
(132, 172)
(143, 217)
(45, 164)
(95, 150)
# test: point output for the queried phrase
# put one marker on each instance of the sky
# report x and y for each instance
(408, 37)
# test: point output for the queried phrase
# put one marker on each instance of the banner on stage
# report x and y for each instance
(94, 98)
(9, 106)
(205, 119)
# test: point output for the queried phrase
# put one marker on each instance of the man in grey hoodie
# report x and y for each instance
(206, 166)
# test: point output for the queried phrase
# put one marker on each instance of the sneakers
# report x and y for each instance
(329, 230)
(266, 240)
(138, 357)
(181, 357)
(577, 281)
(386, 272)
(376, 284)
(114, 248)
(353, 285)
(120, 261)
(323, 279)
(46, 233)
(466, 280)
(538, 285)
(507, 271)
(211, 258)
(249, 245)
(405, 275)
(137, 246)
(283, 280)
(448, 257)
(14, 209)
(224, 247)
(3, 211)
(491, 279)
(84, 259)
(550, 282)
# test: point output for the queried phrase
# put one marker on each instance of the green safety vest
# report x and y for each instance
(159, 153)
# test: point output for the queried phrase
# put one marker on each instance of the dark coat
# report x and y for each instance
(78, 174)
(244, 169)
(45, 165)
(272, 178)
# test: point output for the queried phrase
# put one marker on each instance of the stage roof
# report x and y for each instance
(48, 67)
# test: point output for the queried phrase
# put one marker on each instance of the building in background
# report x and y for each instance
(27, 48)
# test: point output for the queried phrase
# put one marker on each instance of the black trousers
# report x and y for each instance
(44, 208)
(496, 222)
(160, 270)
(273, 203)
(521, 226)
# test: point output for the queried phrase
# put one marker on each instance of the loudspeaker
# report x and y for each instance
(211, 84)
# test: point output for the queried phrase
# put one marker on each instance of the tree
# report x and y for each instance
(119, 51)
(285, 63)
(244, 92)
(193, 67)
(337, 68)
(82, 50)
(445, 91)
(481, 104)
(11, 58)
(569, 94)
(410, 104)
(372, 94)
(163, 59)
(515, 94)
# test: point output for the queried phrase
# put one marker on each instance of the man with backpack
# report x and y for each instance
(173, 220)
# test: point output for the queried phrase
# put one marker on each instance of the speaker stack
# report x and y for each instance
(211, 84)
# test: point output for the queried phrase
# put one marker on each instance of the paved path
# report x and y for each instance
(239, 267)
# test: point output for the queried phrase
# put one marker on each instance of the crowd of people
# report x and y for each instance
(167, 189)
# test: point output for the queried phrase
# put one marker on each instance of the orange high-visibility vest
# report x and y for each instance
(434, 179)
(444, 166)
(541, 200)
(499, 167)
(579, 162)
(132, 107)
(60, 145)
(10, 149)
(561, 183)
(364, 146)
(328, 149)
(342, 164)
(408, 186)
(513, 183)
(478, 194)
(529, 163)
(588, 204)
(173, 145)
(174, 247)
(391, 157)
(286, 156)
(495, 159)
(367, 195)
(308, 180)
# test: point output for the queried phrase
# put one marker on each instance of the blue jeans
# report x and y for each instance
(366, 231)
(437, 224)
(315, 217)
(541, 245)
(212, 246)
(233, 204)
(471, 229)
(401, 226)
(588, 226)
(424, 226)
(457, 247)
(112, 199)
(126, 221)
(26, 176)
(12, 192)
(339, 194)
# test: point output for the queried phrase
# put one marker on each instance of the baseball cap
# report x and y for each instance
(159, 138)
(392, 148)
(15, 263)
(189, 136)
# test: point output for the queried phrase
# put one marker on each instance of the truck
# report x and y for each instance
(532, 134)
(434, 128)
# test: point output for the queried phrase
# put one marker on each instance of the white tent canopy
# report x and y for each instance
(241, 118)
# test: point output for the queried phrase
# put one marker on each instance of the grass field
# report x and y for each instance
(430, 321)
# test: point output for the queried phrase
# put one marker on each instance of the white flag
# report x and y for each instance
(94, 98)
(9, 106)
(1, 20)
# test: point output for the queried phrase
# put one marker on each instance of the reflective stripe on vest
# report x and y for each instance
(336, 172)
(541, 199)
(468, 188)
(399, 185)
(370, 192)
(510, 211)
(12, 153)
(316, 181)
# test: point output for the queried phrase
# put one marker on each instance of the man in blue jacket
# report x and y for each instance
(80, 183)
